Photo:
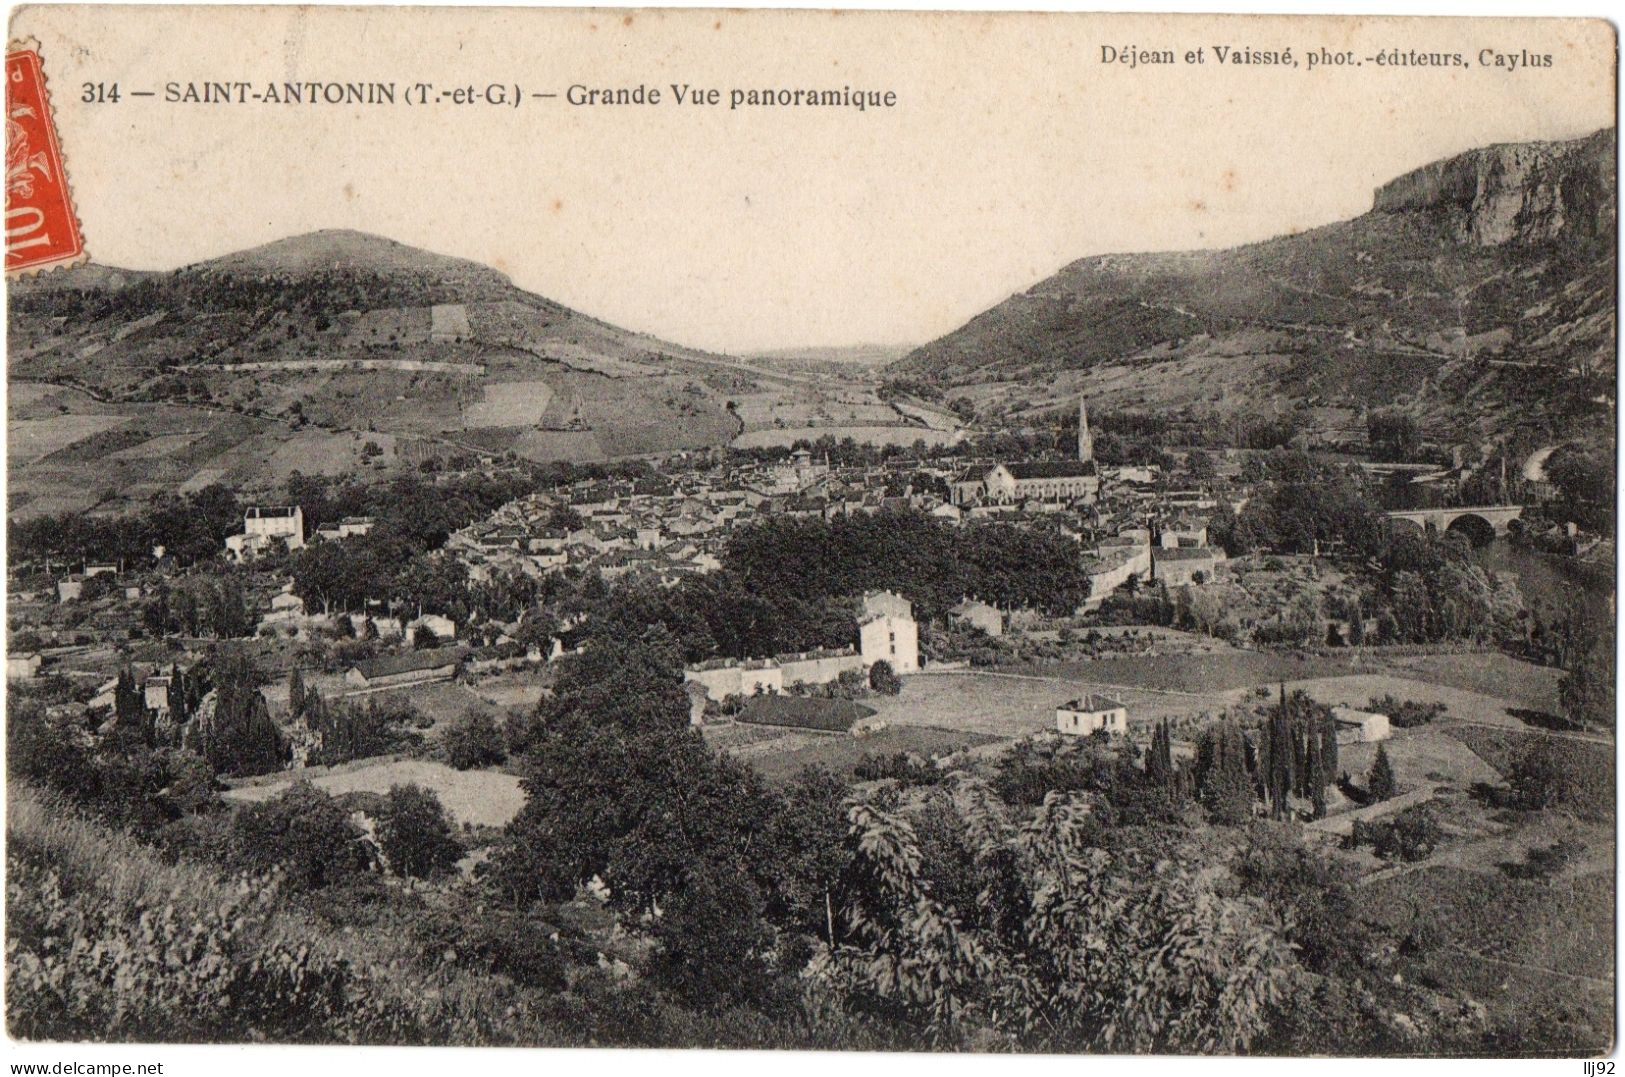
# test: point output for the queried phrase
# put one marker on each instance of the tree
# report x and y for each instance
(1552, 772)
(634, 683)
(1584, 479)
(1280, 759)
(1586, 689)
(238, 736)
(1075, 954)
(1159, 761)
(473, 740)
(304, 832)
(617, 786)
(296, 693)
(1312, 892)
(415, 833)
(807, 853)
(1380, 784)
(1223, 774)
(712, 941)
(131, 722)
(883, 679)
(1394, 435)
(45, 749)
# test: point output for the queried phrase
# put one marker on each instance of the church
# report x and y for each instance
(1035, 480)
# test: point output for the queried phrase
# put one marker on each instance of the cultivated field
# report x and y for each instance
(164, 445)
(1523, 684)
(516, 690)
(804, 406)
(475, 797)
(1011, 705)
(547, 445)
(443, 702)
(509, 403)
(1358, 690)
(319, 452)
(1537, 954)
(448, 321)
(29, 440)
(1420, 757)
(202, 479)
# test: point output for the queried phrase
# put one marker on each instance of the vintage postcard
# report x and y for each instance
(1049, 533)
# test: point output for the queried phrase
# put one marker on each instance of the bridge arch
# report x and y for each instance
(1477, 530)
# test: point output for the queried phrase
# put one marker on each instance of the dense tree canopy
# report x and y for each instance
(933, 563)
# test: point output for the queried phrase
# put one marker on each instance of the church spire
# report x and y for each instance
(1086, 440)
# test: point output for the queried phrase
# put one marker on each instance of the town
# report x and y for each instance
(891, 617)
(1166, 661)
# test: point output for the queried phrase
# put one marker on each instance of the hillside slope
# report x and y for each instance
(1478, 293)
(348, 331)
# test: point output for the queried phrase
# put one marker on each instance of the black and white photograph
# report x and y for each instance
(872, 532)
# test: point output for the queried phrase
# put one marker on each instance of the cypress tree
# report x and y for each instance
(1227, 791)
(296, 693)
(130, 719)
(1279, 758)
(1317, 774)
(1328, 747)
(1159, 762)
(1380, 783)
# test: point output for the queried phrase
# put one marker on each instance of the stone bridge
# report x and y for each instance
(1480, 523)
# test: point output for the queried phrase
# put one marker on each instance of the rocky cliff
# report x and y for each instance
(1532, 191)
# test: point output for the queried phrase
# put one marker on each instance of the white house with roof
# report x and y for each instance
(1091, 713)
(348, 526)
(1181, 565)
(1359, 727)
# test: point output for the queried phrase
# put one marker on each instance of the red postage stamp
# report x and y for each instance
(42, 231)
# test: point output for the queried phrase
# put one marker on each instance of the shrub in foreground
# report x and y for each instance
(415, 833)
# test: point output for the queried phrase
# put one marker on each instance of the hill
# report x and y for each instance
(1478, 294)
(342, 352)
(348, 331)
(335, 352)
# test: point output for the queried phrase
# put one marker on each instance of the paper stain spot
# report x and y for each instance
(1229, 179)
(558, 204)
(1198, 206)
(627, 21)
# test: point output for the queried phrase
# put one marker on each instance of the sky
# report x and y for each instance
(1011, 151)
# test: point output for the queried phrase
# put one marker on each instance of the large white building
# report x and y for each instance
(265, 527)
(887, 631)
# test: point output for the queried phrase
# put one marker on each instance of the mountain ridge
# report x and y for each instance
(1500, 255)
